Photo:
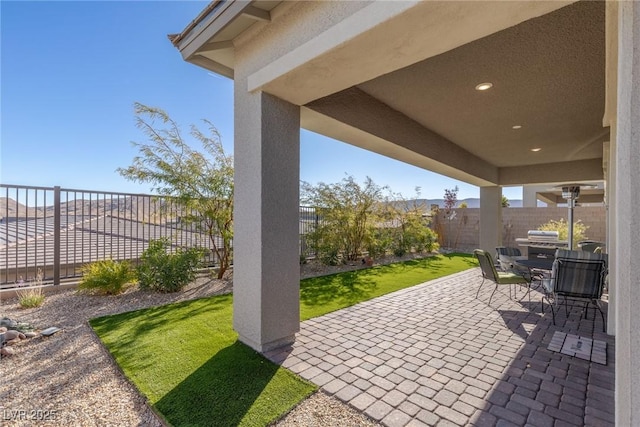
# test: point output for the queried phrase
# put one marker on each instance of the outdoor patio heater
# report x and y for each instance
(570, 192)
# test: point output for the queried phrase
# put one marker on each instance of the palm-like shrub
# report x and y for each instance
(106, 277)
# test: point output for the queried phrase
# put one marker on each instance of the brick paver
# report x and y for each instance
(435, 355)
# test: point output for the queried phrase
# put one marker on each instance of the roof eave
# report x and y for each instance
(209, 23)
(177, 38)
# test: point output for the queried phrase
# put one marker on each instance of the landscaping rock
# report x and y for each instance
(14, 341)
(11, 324)
(30, 334)
(50, 331)
(8, 323)
(7, 351)
(3, 329)
(12, 335)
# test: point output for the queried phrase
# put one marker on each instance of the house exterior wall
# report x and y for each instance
(464, 228)
(267, 159)
(264, 61)
(627, 224)
(292, 24)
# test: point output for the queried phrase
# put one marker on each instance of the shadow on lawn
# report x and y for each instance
(354, 286)
(135, 325)
(188, 360)
(223, 391)
(468, 259)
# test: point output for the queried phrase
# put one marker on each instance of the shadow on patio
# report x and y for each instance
(434, 354)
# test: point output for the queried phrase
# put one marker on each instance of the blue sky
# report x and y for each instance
(71, 71)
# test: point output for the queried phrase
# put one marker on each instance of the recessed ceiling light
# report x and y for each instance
(516, 127)
(484, 86)
(535, 150)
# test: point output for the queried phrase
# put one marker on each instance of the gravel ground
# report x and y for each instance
(70, 379)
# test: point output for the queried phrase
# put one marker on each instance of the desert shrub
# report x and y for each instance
(379, 243)
(326, 246)
(167, 272)
(201, 181)
(31, 297)
(425, 240)
(411, 232)
(329, 256)
(399, 249)
(348, 212)
(106, 277)
(562, 227)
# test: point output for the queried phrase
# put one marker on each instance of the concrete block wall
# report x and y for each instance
(462, 232)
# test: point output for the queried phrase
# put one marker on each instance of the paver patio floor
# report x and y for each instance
(433, 354)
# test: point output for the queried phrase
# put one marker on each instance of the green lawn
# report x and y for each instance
(186, 359)
(321, 295)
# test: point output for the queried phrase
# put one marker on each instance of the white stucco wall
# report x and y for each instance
(292, 24)
(266, 220)
(627, 267)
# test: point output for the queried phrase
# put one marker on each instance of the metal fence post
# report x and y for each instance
(56, 235)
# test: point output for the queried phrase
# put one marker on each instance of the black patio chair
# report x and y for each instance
(576, 276)
(504, 257)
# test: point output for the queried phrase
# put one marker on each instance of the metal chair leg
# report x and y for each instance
(585, 311)
(604, 322)
(527, 291)
(478, 293)
(494, 291)
(553, 312)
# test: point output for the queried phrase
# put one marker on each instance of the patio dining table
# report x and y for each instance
(539, 270)
(545, 264)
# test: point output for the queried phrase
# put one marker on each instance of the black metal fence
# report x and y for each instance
(309, 220)
(47, 234)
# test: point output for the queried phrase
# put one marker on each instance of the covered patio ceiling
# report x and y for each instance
(548, 93)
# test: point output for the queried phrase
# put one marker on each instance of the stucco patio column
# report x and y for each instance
(529, 196)
(627, 238)
(266, 273)
(490, 218)
(612, 217)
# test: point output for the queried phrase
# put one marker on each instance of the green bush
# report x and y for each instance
(329, 256)
(167, 272)
(379, 242)
(377, 249)
(413, 235)
(349, 212)
(425, 240)
(562, 227)
(107, 277)
(399, 249)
